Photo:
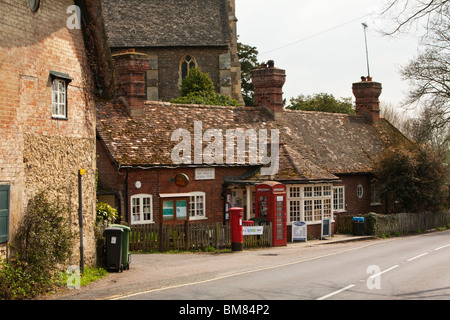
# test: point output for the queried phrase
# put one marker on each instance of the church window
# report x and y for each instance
(187, 63)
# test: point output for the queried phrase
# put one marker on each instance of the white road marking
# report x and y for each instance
(352, 285)
(380, 273)
(335, 292)
(448, 245)
(420, 255)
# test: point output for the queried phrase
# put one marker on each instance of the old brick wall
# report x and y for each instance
(32, 45)
(157, 181)
(110, 180)
(354, 204)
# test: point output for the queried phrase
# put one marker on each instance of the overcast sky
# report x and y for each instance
(320, 44)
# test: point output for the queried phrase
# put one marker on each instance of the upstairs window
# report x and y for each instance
(60, 81)
(59, 99)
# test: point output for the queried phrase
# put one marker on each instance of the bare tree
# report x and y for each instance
(408, 13)
(429, 72)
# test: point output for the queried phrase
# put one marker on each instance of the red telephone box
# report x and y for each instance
(270, 203)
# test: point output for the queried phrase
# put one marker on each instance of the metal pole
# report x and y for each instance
(367, 51)
(80, 218)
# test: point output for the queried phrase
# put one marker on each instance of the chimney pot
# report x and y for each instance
(268, 83)
(367, 102)
(130, 70)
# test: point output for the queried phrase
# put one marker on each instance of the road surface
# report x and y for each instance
(410, 267)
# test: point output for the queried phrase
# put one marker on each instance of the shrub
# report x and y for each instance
(196, 82)
(105, 212)
(206, 98)
(44, 242)
(198, 88)
(371, 223)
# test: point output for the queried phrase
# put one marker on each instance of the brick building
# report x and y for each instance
(178, 35)
(53, 68)
(153, 154)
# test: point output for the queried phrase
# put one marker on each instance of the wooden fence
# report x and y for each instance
(399, 222)
(411, 222)
(198, 236)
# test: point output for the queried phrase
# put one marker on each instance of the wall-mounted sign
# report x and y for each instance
(138, 184)
(253, 230)
(204, 174)
(299, 231)
(181, 180)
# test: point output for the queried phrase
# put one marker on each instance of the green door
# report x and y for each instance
(4, 213)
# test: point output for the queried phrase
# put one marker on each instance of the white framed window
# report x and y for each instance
(327, 212)
(317, 210)
(308, 210)
(295, 210)
(374, 195)
(310, 203)
(59, 98)
(294, 192)
(307, 192)
(360, 191)
(197, 205)
(317, 191)
(142, 209)
(339, 198)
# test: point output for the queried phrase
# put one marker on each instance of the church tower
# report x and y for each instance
(236, 84)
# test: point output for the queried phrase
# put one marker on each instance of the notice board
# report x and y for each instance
(299, 231)
(326, 227)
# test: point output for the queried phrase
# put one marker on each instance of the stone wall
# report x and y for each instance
(51, 165)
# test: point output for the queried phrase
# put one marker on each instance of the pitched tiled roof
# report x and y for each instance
(161, 23)
(147, 141)
(314, 145)
(338, 143)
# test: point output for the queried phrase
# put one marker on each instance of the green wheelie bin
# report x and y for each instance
(126, 255)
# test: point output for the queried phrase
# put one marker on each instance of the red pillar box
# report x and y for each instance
(237, 236)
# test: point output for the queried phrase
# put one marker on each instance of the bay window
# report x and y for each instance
(310, 203)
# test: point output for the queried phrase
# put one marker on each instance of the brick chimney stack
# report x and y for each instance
(366, 93)
(268, 82)
(130, 71)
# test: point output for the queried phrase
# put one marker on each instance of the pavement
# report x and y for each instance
(335, 239)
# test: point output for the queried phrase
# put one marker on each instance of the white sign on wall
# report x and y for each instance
(204, 174)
